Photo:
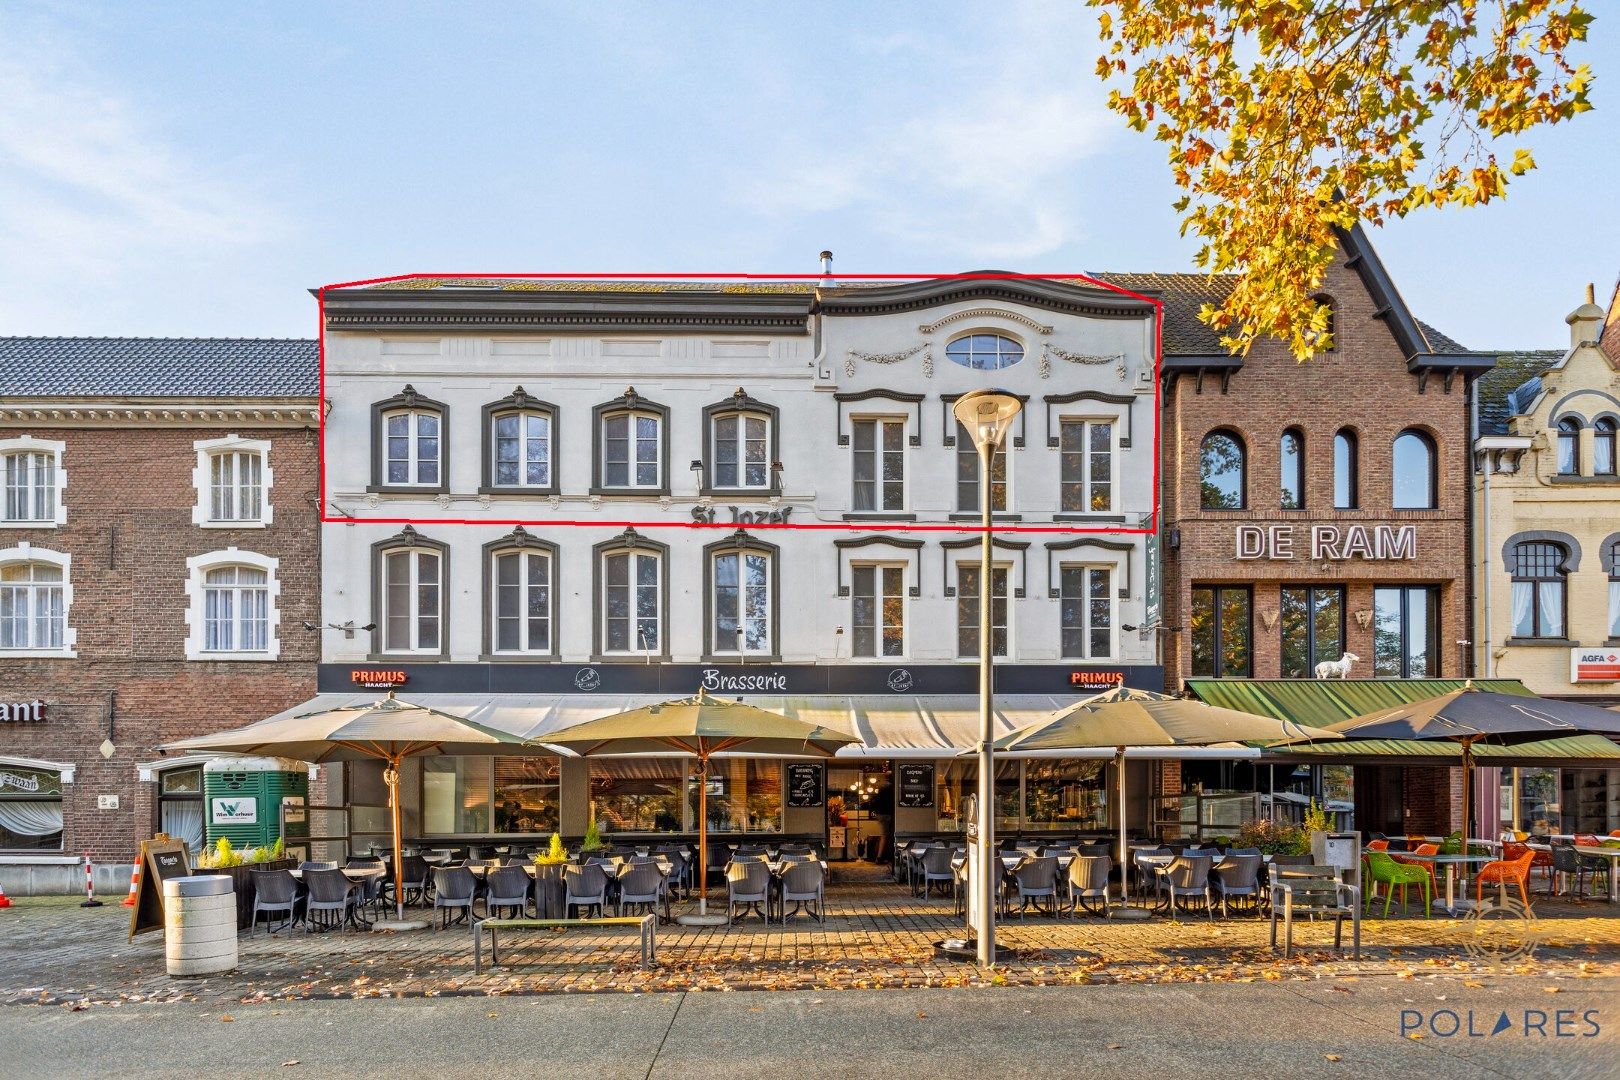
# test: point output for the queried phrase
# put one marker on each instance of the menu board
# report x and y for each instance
(805, 783)
(916, 785)
(160, 859)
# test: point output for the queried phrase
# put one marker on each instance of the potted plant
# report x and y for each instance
(223, 858)
(548, 879)
(593, 839)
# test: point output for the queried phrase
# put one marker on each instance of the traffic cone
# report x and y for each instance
(5, 901)
(89, 884)
(134, 885)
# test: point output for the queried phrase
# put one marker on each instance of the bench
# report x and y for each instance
(647, 923)
(1314, 890)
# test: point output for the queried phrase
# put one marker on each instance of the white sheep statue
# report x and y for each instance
(1337, 669)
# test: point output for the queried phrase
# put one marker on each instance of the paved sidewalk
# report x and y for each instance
(878, 936)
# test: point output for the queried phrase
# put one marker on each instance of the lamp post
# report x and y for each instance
(986, 414)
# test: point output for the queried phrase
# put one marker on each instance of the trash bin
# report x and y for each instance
(199, 924)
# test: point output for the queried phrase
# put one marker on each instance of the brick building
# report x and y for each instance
(159, 559)
(1315, 510)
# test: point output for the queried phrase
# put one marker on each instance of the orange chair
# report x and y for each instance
(1505, 872)
(1422, 849)
(1512, 852)
(1378, 845)
(1614, 834)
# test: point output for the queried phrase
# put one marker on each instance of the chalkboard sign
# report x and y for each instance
(917, 786)
(161, 858)
(804, 781)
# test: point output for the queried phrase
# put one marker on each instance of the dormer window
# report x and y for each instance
(984, 352)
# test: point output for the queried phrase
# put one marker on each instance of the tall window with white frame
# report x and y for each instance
(967, 609)
(522, 444)
(739, 450)
(1603, 446)
(878, 613)
(1086, 466)
(632, 602)
(632, 449)
(967, 475)
(1086, 607)
(521, 604)
(880, 464)
(236, 609)
(1539, 587)
(411, 448)
(33, 612)
(235, 485)
(1614, 591)
(741, 603)
(30, 486)
(413, 600)
(1569, 447)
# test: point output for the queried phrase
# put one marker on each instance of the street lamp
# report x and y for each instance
(986, 414)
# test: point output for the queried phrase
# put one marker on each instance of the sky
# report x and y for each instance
(194, 169)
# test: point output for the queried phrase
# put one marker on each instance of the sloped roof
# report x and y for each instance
(1507, 388)
(52, 367)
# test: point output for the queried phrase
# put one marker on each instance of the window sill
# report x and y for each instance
(42, 523)
(879, 515)
(630, 493)
(739, 493)
(233, 657)
(7, 859)
(1606, 479)
(256, 524)
(520, 492)
(518, 658)
(647, 659)
(406, 658)
(396, 489)
(739, 660)
(39, 654)
(1540, 643)
(976, 516)
(1100, 517)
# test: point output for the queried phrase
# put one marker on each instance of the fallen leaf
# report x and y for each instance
(285, 1064)
(1472, 983)
(1116, 1046)
(227, 1019)
(922, 1016)
(1415, 1035)
(1553, 989)
(492, 1015)
(1331, 1057)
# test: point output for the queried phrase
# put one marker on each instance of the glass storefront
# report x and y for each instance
(30, 809)
(643, 795)
(1031, 794)
(482, 796)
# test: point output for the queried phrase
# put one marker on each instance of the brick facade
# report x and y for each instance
(129, 496)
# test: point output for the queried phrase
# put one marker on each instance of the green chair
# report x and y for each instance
(1379, 867)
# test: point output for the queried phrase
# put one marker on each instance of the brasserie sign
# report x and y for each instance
(1334, 543)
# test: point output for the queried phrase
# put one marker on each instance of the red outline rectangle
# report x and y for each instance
(955, 527)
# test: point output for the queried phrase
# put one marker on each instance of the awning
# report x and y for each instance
(888, 726)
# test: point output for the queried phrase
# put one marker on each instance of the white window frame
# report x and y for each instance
(880, 419)
(523, 587)
(523, 416)
(1008, 569)
(1114, 462)
(632, 415)
(737, 648)
(197, 568)
(878, 566)
(413, 439)
(742, 416)
(414, 584)
(1113, 568)
(28, 444)
(202, 479)
(637, 649)
(964, 446)
(28, 553)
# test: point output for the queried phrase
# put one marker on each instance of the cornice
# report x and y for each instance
(167, 412)
(584, 312)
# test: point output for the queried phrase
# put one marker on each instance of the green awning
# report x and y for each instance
(1550, 752)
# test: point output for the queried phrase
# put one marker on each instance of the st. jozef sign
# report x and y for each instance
(1334, 543)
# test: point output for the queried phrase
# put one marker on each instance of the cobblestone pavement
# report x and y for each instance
(876, 935)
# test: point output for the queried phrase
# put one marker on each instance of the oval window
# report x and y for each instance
(984, 352)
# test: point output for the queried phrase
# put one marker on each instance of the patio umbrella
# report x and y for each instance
(1123, 717)
(388, 730)
(1468, 715)
(700, 726)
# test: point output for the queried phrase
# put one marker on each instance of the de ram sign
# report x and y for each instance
(1334, 543)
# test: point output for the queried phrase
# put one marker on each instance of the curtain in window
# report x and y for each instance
(31, 817)
(1614, 607)
(1523, 624)
(1552, 608)
(183, 820)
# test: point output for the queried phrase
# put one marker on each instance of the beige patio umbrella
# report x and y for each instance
(388, 730)
(700, 726)
(1123, 717)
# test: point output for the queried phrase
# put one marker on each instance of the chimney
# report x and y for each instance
(826, 281)
(1586, 321)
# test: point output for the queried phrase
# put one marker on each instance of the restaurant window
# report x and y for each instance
(1223, 471)
(30, 808)
(31, 470)
(878, 609)
(1406, 632)
(1413, 472)
(639, 795)
(1221, 631)
(1291, 451)
(956, 784)
(745, 796)
(967, 475)
(880, 464)
(1065, 793)
(1569, 447)
(409, 451)
(741, 444)
(1539, 578)
(1086, 607)
(232, 614)
(34, 600)
(411, 573)
(1086, 466)
(630, 576)
(967, 610)
(1312, 628)
(1603, 447)
(475, 796)
(742, 586)
(522, 597)
(984, 352)
(631, 434)
(1346, 481)
(180, 805)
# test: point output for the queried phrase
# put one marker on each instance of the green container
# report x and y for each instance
(242, 799)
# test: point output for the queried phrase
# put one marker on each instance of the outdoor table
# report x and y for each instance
(1453, 905)
(1613, 855)
(353, 873)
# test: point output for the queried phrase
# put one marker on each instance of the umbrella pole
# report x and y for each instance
(703, 835)
(1124, 911)
(391, 778)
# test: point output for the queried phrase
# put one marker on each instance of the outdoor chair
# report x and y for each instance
(1242, 851)
(936, 869)
(960, 881)
(275, 891)
(329, 894)
(748, 882)
(370, 889)
(1237, 875)
(1542, 859)
(454, 888)
(1314, 890)
(1567, 863)
(641, 884)
(804, 883)
(1146, 876)
(585, 886)
(1088, 880)
(308, 865)
(1377, 845)
(414, 879)
(1506, 872)
(1380, 867)
(1058, 849)
(1187, 877)
(1035, 880)
(506, 889)
(1096, 849)
(1421, 849)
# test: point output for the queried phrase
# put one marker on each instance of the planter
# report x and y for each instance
(242, 882)
(548, 890)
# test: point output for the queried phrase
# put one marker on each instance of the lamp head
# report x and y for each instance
(986, 414)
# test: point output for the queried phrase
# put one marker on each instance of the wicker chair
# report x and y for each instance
(642, 884)
(805, 883)
(275, 892)
(585, 886)
(507, 889)
(1186, 877)
(1035, 880)
(748, 883)
(454, 888)
(1088, 880)
(1237, 875)
(936, 869)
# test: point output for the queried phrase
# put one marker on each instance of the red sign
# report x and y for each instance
(1594, 665)
(373, 679)
(1097, 680)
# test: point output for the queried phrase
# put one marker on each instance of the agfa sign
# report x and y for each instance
(1327, 542)
(1594, 665)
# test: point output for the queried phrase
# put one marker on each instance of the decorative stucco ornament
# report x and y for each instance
(888, 358)
(1049, 350)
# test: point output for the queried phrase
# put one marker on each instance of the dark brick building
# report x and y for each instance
(159, 559)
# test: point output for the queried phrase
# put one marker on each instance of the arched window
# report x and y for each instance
(31, 472)
(1603, 447)
(742, 448)
(1346, 481)
(632, 596)
(520, 452)
(1614, 590)
(742, 577)
(33, 607)
(632, 446)
(521, 594)
(409, 592)
(1414, 472)
(1539, 580)
(1569, 447)
(1223, 471)
(232, 613)
(984, 352)
(411, 442)
(1291, 451)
